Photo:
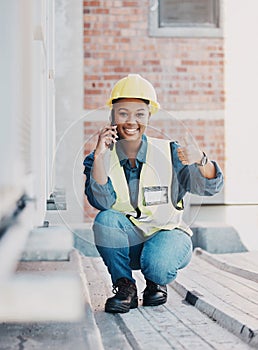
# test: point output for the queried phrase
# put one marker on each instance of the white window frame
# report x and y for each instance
(182, 31)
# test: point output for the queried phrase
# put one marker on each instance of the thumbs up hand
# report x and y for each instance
(191, 152)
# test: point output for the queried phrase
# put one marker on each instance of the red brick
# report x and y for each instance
(217, 54)
(92, 92)
(101, 11)
(111, 32)
(112, 77)
(112, 62)
(181, 69)
(121, 69)
(91, 77)
(122, 40)
(190, 63)
(100, 55)
(92, 32)
(91, 3)
(123, 24)
(151, 62)
(130, 3)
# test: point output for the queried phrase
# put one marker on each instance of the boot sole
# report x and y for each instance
(115, 308)
(154, 302)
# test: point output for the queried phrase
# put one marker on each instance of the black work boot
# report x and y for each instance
(154, 294)
(125, 297)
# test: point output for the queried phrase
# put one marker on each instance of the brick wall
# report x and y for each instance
(187, 73)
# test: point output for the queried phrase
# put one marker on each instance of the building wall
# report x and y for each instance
(241, 109)
(68, 172)
(241, 122)
(26, 109)
(187, 74)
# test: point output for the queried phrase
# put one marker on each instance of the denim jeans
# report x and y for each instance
(123, 249)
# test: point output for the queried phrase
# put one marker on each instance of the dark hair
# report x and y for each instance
(122, 98)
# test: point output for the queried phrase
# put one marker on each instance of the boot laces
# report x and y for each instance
(123, 288)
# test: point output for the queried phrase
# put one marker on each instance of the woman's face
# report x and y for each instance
(131, 116)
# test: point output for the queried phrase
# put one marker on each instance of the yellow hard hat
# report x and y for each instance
(135, 86)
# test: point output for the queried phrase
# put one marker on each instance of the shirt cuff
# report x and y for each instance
(98, 188)
(103, 195)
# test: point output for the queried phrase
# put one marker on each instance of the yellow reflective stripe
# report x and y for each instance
(180, 205)
(116, 173)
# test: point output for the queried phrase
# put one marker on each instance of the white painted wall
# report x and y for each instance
(24, 90)
(69, 106)
(11, 106)
(241, 114)
(241, 49)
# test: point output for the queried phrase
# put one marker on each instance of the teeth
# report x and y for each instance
(130, 131)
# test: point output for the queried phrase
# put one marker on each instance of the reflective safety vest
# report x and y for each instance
(155, 208)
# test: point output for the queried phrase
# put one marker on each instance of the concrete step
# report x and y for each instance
(241, 264)
(211, 236)
(227, 298)
(43, 291)
(48, 243)
(175, 325)
(54, 327)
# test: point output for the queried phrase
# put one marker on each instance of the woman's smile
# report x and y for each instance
(131, 131)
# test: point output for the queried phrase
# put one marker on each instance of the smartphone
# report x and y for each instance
(111, 146)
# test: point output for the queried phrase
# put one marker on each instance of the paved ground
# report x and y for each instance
(226, 297)
(175, 325)
(215, 297)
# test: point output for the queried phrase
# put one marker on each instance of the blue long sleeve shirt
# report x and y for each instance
(185, 179)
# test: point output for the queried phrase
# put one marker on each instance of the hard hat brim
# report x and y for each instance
(154, 106)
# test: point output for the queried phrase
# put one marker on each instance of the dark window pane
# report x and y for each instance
(188, 13)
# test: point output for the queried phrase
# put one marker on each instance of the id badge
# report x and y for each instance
(155, 195)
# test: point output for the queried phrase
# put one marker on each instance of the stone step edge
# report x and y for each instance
(93, 334)
(245, 333)
(225, 266)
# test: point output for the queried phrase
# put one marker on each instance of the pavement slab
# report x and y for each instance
(174, 325)
(226, 297)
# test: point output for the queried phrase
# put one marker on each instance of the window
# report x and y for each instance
(185, 18)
